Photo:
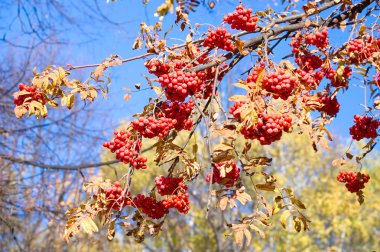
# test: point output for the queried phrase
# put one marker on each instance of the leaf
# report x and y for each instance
(239, 235)
(20, 111)
(70, 101)
(99, 71)
(265, 187)
(239, 44)
(89, 225)
(243, 197)
(284, 216)
(307, 22)
(237, 98)
(257, 230)
(222, 148)
(127, 97)
(111, 230)
(223, 203)
(298, 203)
(297, 224)
(247, 235)
(156, 89)
(226, 133)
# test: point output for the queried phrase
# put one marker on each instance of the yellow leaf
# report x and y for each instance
(69, 101)
(248, 235)
(284, 216)
(89, 225)
(265, 187)
(298, 203)
(223, 203)
(20, 111)
(156, 89)
(239, 235)
(237, 98)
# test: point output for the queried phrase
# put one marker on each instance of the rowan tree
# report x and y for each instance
(299, 93)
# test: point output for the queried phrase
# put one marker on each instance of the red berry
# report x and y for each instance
(241, 19)
(127, 149)
(219, 38)
(365, 127)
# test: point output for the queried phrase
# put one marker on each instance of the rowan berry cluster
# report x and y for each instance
(268, 128)
(151, 127)
(115, 199)
(127, 149)
(311, 79)
(180, 112)
(168, 185)
(359, 50)
(150, 206)
(219, 38)
(241, 19)
(308, 62)
(329, 105)
(235, 110)
(254, 74)
(27, 94)
(178, 85)
(354, 181)
(318, 39)
(280, 83)
(157, 67)
(224, 173)
(364, 127)
(339, 78)
(180, 201)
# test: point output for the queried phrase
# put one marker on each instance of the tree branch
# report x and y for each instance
(64, 167)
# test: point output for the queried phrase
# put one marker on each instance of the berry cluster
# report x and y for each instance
(365, 127)
(338, 78)
(268, 128)
(319, 39)
(180, 201)
(168, 185)
(309, 62)
(127, 149)
(280, 83)
(329, 105)
(311, 79)
(178, 85)
(219, 38)
(242, 19)
(354, 181)
(180, 112)
(157, 67)
(151, 127)
(150, 206)
(115, 199)
(254, 74)
(28, 94)
(230, 171)
(235, 110)
(359, 50)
